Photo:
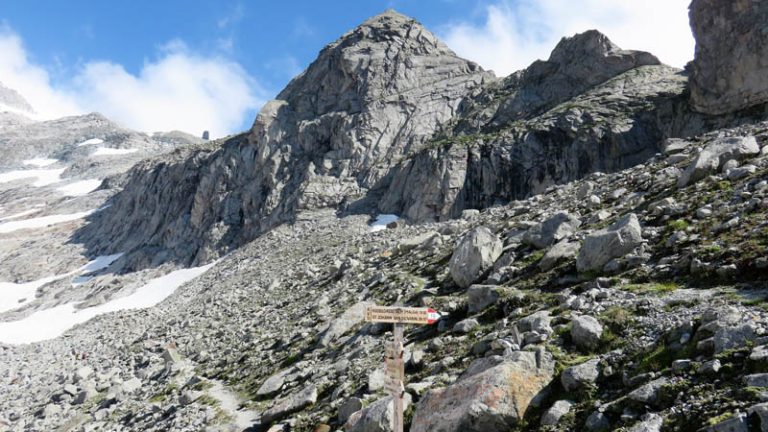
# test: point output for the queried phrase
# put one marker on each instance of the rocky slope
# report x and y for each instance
(596, 246)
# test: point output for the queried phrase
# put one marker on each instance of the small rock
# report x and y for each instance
(580, 376)
(465, 326)
(586, 332)
(553, 415)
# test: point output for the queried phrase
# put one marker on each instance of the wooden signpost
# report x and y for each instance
(393, 360)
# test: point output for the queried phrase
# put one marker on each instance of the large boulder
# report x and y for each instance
(555, 228)
(490, 400)
(615, 241)
(377, 417)
(731, 55)
(474, 256)
(712, 157)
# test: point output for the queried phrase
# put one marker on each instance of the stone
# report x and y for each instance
(597, 422)
(757, 380)
(274, 383)
(85, 395)
(581, 376)
(51, 410)
(465, 326)
(480, 297)
(712, 157)
(70, 389)
(648, 393)
(586, 332)
(494, 399)
(189, 397)
(537, 322)
(474, 256)
(728, 72)
(377, 417)
(710, 367)
(377, 379)
(759, 416)
(736, 423)
(616, 241)
(171, 355)
(557, 227)
(344, 323)
(552, 416)
(759, 353)
(650, 422)
(349, 407)
(559, 252)
(290, 404)
(83, 373)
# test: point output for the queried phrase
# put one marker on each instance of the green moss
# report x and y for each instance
(532, 258)
(719, 419)
(678, 225)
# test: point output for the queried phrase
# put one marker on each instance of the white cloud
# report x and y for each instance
(515, 34)
(180, 90)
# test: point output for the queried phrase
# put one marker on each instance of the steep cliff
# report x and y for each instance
(369, 99)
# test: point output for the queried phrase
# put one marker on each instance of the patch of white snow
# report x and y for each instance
(382, 221)
(42, 221)
(51, 323)
(106, 151)
(13, 295)
(44, 176)
(90, 141)
(40, 162)
(79, 188)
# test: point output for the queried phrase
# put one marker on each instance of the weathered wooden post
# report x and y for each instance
(393, 360)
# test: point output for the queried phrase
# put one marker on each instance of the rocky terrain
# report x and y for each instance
(593, 234)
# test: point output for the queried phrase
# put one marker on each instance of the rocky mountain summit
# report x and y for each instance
(594, 237)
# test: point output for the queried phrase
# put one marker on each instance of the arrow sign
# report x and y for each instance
(401, 315)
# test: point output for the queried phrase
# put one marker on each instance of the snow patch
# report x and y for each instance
(90, 142)
(42, 221)
(98, 263)
(44, 176)
(106, 151)
(80, 188)
(40, 162)
(51, 323)
(18, 215)
(382, 221)
(13, 295)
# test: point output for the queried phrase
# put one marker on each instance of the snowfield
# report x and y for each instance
(51, 323)
(106, 151)
(80, 188)
(91, 141)
(40, 162)
(42, 221)
(44, 176)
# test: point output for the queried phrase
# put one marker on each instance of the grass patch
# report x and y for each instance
(658, 288)
(678, 225)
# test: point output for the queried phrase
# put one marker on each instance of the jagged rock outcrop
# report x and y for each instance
(731, 55)
(370, 98)
(575, 65)
(13, 101)
(617, 124)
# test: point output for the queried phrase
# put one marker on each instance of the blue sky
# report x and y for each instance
(193, 64)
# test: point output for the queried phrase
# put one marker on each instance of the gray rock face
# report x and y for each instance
(553, 415)
(11, 100)
(493, 400)
(580, 376)
(290, 404)
(376, 417)
(474, 255)
(610, 127)
(576, 64)
(731, 55)
(332, 134)
(616, 241)
(480, 297)
(557, 253)
(559, 226)
(586, 332)
(716, 154)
